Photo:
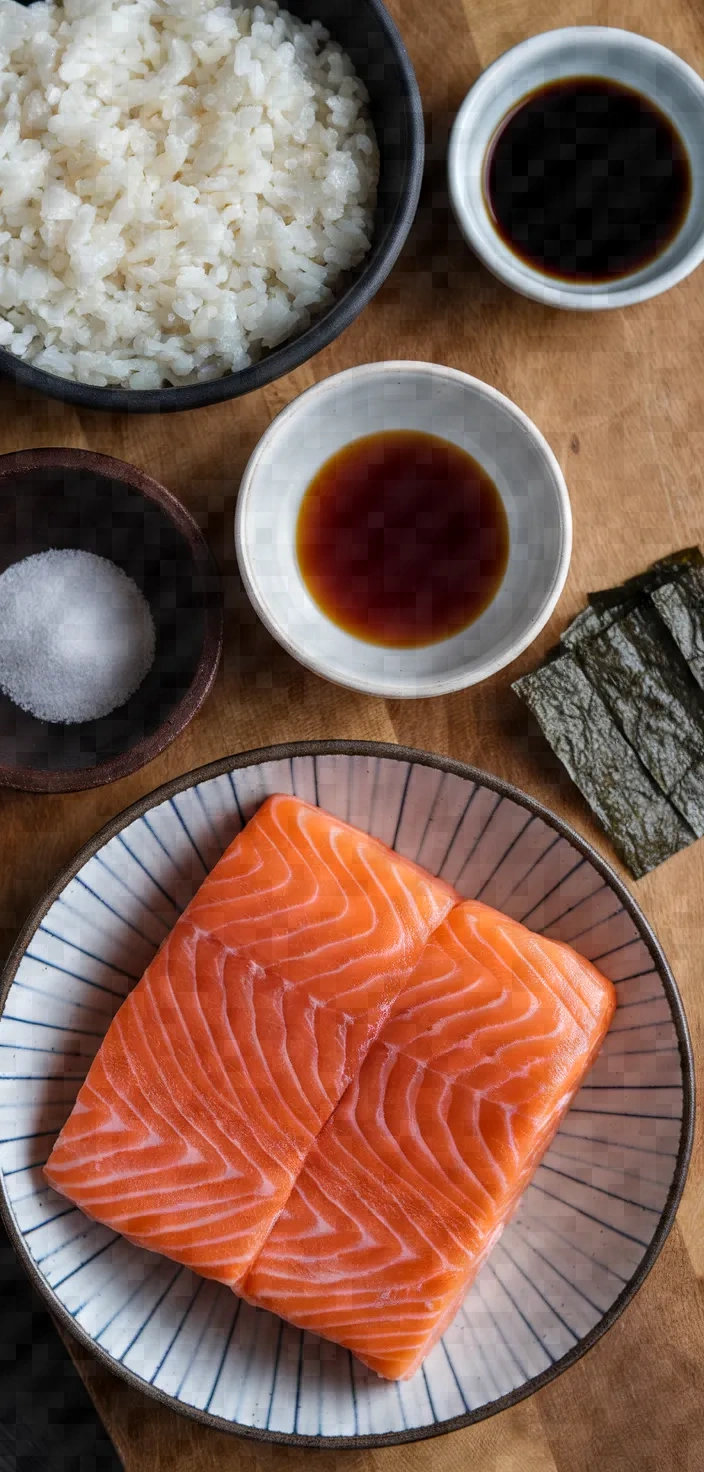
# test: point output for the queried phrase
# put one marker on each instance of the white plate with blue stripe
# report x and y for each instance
(588, 1228)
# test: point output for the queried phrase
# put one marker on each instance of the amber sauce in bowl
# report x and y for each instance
(403, 529)
(402, 538)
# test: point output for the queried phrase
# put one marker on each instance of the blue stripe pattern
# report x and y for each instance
(582, 1226)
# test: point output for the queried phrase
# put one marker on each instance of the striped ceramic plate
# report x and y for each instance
(588, 1228)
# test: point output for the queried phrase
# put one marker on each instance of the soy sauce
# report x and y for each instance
(587, 180)
(402, 539)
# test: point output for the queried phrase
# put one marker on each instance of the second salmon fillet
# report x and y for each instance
(414, 1176)
(222, 1066)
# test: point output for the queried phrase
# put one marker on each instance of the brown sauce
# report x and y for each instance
(402, 539)
(587, 180)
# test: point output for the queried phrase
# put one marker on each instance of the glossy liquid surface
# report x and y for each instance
(402, 539)
(587, 180)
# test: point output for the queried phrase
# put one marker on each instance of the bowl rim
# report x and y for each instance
(288, 751)
(531, 283)
(396, 687)
(205, 579)
(280, 360)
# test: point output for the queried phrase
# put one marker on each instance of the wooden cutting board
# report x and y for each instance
(620, 397)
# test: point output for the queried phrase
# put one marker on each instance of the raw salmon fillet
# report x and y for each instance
(414, 1176)
(225, 1061)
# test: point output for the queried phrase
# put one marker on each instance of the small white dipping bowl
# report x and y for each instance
(444, 402)
(582, 51)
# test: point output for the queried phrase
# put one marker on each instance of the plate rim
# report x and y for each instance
(385, 750)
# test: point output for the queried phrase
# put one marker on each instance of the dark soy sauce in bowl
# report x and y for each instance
(402, 539)
(587, 180)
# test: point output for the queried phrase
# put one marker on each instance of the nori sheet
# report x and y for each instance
(643, 825)
(681, 606)
(591, 621)
(609, 605)
(684, 557)
(660, 572)
(644, 680)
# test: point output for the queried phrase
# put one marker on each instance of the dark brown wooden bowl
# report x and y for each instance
(74, 498)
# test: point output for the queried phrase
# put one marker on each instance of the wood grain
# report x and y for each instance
(620, 396)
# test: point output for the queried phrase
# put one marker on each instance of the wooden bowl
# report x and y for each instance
(74, 498)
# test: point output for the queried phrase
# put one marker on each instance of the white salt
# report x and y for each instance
(76, 635)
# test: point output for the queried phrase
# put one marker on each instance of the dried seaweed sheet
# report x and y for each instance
(643, 825)
(643, 679)
(591, 621)
(684, 557)
(681, 607)
(628, 594)
(609, 605)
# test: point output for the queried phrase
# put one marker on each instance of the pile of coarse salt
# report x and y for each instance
(76, 635)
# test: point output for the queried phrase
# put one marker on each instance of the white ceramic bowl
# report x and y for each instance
(602, 51)
(445, 402)
(588, 1228)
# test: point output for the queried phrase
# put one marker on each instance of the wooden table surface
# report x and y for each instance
(620, 397)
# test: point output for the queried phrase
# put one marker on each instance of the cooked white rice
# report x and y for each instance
(181, 184)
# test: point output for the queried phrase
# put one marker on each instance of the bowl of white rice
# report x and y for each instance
(195, 196)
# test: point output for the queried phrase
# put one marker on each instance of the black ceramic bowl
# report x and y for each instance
(74, 498)
(365, 30)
